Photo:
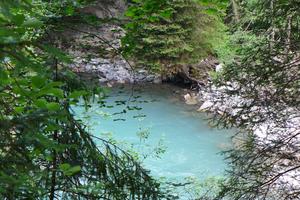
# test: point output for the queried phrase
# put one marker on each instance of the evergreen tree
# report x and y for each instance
(45, 153)
(165, 35)
(265, 75)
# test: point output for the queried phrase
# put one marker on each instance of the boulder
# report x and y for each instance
(191, 99)
(150, 78)
(219, 68)
(157, 80)
(205, 106)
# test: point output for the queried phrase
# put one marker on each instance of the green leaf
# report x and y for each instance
(52, 106)
(49, 158)
(166, 13)
(69, 10)
(131, 12)
(56, 92)
(77, 94)
(130, 26)
(73, 170)
(3, 77)
(41, 103)
(54, 84)
(64, 166)
(38, 81)
(211, 11)
(52, 127)
(18, 19)
(68, 170)
(19, 109)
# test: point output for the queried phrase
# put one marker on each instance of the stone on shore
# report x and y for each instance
(205, 106)
(191, 99)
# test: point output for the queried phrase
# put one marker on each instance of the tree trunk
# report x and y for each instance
(235, 9)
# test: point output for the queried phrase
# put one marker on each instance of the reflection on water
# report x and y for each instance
(154, 120)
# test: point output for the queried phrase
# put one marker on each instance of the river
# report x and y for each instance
(171, 138)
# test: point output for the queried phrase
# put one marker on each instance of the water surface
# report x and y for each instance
(153, 120)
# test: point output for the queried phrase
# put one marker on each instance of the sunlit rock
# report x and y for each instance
(205, 106)
(191, 99)
(219, 68)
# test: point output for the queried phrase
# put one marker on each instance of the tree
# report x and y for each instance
(166, 35)
(265, 78)
(44, 151)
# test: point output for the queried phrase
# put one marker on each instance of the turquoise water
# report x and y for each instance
(172, 139)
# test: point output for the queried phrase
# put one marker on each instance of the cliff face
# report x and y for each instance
(106, 8)
(95, 47)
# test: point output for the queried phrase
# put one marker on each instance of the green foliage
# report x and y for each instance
(68, 170)
(265, 73)
(207, 189)
(164, 35)
(44, 151)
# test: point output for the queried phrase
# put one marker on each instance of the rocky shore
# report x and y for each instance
(96, 52)
(111, 71)
(266, 123)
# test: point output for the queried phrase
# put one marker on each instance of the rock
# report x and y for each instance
(121, 81)
(102, 80)
(139, 77)
(88, 67)
(157, 80)
(150, 78)
(219, 68)
(106, 8)
(142, 71)
(104, 61)
(190, 99)
(109, 85)
(95, 61)
(176, 91)
(205, 106)
(108, 66)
